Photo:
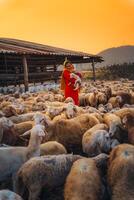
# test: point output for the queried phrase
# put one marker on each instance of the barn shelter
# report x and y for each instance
(23, 62)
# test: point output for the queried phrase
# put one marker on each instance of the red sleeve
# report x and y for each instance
(67, 76)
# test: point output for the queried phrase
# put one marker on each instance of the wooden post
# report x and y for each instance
(55, 69)
(93, 67)
(25, 73)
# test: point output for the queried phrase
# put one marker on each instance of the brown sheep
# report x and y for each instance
(9, 195)
(128, 121)
(124, 111)
(7, 131)
(108, 92)
(121, 172)
(116, 130)
(115, 101)
(9, 111)
(92, 99)
(83, 181)
(52, 148)
(126, 98)
(43, 172)
(99, 142)
(88, 133)
(22, 118)
(101, 97)
(82, 99)
(21, 128)
(98, 116)
(69, 131)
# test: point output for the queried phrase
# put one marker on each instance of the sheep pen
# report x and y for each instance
(64, 139)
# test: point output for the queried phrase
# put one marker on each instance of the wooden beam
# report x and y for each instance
(93, 67)
(25, 72)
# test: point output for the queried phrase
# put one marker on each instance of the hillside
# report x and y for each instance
(117, 55)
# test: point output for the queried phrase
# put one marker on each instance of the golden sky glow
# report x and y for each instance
(85, 25)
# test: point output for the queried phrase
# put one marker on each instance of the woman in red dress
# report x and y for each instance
(67, 83)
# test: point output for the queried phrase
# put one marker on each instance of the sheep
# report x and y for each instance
(22, 118)
(54, 111)
(52, 148)
(39, 106)
(125, 97)
(102, 108)
(69, 99)
(70, 110)
(115, 101)
(9, 195)
(22, 127)
(98, 116)
(128, 121)
(122, 112)
(116, 130)
(9, 111)
(88, 133)
(121, 172)
(7, 131)
(13, 157)
(69, 131)
(108, 107)
(92, 99)
(59, 97)
(83, 181)
(82, 99)
(97, 141)
(101, 98)
(43, 172)
(108, 92)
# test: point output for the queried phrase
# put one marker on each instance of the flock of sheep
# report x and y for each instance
(51, 149)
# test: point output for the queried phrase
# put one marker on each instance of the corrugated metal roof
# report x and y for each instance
(24, 47)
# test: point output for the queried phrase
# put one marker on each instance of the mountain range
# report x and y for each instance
(117, 55)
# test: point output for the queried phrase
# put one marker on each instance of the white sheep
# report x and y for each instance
(11, 158)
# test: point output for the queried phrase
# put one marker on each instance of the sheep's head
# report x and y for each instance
(101, 161)
(128, 120)
(117, 131)
(37, 131)
(9, 111)
(119, 99)
(69, 99)
(54, 111)
(39, 118)
(5, 124)
(108, 107)
(101, 108)
(71, 110)
(104, 141)
(59, 97)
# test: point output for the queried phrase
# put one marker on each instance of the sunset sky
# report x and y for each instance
(84, 25)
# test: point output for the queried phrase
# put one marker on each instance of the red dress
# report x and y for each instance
(69, 89)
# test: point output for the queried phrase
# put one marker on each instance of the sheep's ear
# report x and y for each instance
(27, 133)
